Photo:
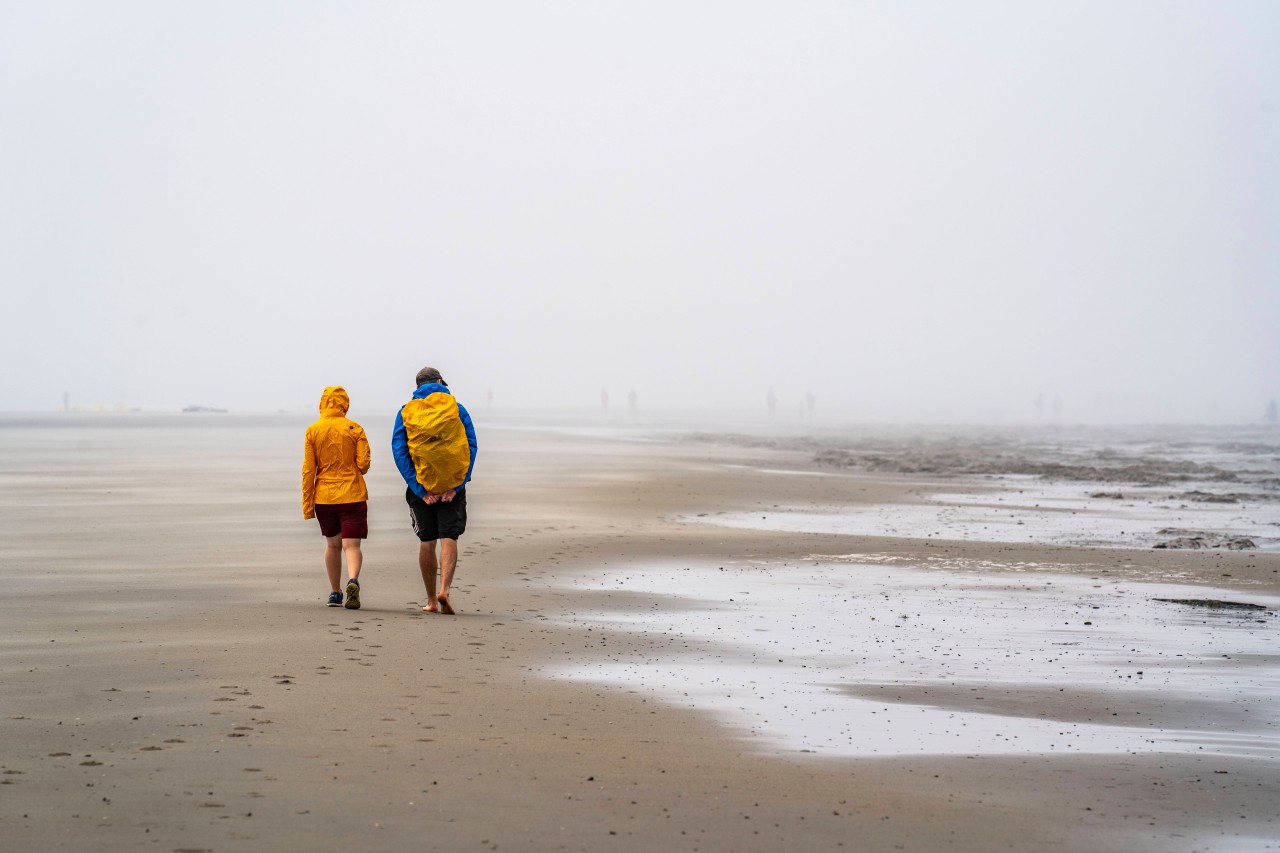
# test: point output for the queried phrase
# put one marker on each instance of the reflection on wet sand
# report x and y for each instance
(863, 659)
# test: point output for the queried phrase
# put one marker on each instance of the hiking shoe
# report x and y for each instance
(335, 599)
(353, 595)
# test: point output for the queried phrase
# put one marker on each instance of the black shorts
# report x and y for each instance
(440, 520)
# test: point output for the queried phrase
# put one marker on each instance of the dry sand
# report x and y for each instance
(172, 681)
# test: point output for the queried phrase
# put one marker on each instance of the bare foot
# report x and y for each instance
(445, 607)
(429, 607)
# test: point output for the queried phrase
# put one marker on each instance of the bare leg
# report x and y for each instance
(355, 557)
(333, 560)
(427, 565)
(448, 562)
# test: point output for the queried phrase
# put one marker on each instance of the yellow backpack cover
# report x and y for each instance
(437, 441)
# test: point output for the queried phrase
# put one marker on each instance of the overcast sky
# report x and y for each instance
(916, 210)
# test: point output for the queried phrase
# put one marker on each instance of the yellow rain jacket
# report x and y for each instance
(335, 456)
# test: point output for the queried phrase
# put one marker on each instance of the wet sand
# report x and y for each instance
(172, 681)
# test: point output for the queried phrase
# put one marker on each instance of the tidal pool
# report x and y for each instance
(856, 656)
(1027, 512)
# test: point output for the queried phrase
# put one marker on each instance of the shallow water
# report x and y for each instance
(866, 659)
(1029, 511)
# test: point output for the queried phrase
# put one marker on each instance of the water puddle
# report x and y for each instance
(872, 659)
(785, 472)
(1032, 513)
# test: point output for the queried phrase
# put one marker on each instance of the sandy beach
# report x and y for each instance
(638, 662)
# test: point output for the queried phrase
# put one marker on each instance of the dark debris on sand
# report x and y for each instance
(1212, 603)
(1143, 472)
(1081, 454)
(1198, 539)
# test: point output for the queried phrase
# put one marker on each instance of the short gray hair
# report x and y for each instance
(429, 374)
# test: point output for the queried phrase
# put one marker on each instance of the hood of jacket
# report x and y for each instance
(426, 389)
(334, 402)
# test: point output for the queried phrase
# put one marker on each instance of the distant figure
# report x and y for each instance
(771, 400)
(604, 401)
(335, 459)
(1271, 415)
(489, 397)
(66, 402)
(434, 445)
(809, 402)
(633, 399)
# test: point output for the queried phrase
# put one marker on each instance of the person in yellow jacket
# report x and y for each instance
(335, 459)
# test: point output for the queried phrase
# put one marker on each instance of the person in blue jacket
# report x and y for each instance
(433, 442)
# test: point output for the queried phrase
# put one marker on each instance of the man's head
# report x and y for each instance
(430, 374)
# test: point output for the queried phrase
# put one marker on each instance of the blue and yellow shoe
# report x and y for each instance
(353, 595)
(335, 599)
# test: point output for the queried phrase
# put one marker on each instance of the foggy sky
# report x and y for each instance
(916, 210)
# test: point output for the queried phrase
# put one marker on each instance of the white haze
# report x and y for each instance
(916, 210)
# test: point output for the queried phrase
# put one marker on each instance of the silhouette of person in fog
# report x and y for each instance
(604, 400)
(632, 399)
(771, 400)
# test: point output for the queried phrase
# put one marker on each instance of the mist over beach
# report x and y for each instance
(868, 414)
(916, 211)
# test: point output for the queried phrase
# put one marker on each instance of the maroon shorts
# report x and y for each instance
(351, 520)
